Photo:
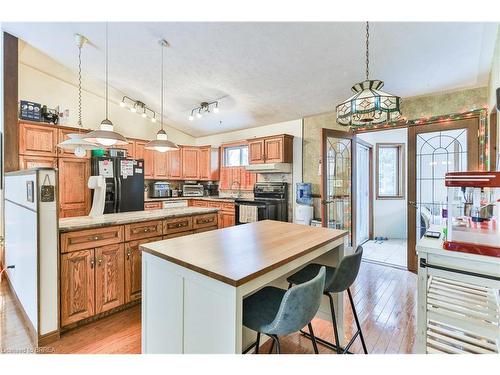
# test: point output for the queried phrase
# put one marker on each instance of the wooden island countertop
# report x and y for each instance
(238, 254)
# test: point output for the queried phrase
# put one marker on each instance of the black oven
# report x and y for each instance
(271, 200)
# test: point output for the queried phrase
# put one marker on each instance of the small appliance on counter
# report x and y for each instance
(473, 213)
(160, 189)
(211, 189)
(117, 153)
(49, 115)
(192, 189)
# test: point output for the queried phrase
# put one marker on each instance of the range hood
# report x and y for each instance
(270, 168)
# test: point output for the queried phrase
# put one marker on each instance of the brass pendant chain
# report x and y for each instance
(367, 49)
(80, 87)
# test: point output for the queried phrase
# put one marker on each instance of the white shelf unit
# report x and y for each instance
(461, 317)
(458, 301)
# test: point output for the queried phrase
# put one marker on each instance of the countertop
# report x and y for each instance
(238, 254)
(87, 222)
(209, 198)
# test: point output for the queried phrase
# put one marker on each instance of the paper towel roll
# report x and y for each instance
(96, 182)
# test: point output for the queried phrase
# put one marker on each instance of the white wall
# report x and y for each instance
(389, 215)
(494, 84)
(43, 80)
(289, 127)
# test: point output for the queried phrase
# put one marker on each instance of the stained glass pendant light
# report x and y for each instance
(75, 142)
(369, 104)
(161, 143)
(106, 135)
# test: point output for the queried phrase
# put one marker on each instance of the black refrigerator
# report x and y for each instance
(124, 183)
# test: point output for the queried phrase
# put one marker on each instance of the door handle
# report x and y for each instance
(413, 204)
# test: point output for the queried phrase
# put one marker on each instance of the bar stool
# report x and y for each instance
(277, 312)
(338, 279)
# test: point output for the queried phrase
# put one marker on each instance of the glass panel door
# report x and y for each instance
(437, 153)
(337, 165)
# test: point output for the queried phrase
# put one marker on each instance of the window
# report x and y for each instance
(390, 171)
(235, 156)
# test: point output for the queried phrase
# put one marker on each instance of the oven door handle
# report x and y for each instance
(252, 205)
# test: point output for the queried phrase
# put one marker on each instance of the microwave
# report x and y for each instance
(192, 190)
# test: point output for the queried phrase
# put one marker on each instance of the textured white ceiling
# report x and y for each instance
(269, 72)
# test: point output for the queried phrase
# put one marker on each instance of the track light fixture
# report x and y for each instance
(205, 107)
(136, 106)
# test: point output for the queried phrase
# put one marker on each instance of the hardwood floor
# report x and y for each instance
(385, 298)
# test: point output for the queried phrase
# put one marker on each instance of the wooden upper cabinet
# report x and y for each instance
(147, 156)
(174, 164)
(160, 164)
(190, 162)
(256, 152)
(37, 140)
(74, 195)
(274, 149)
(109, 277)
(77, 286)
(130, 147)
(27, 162)
(208, 161)
(62, 135)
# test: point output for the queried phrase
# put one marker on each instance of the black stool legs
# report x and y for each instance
(336, 346)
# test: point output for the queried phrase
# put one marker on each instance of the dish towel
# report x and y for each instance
(248, 214)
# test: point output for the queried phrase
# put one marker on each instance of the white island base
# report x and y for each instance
(185, 311)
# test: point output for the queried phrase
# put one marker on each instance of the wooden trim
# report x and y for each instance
(493, 139)
(11, 100)
(48, 338)
(32, 333)
(401, 171)
(472, 125)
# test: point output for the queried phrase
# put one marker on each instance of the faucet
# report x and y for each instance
(239, 188)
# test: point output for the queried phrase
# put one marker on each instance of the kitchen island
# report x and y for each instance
(100, 260)
(193, 287)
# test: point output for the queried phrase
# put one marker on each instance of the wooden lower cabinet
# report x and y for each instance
(226, 219)
(77, 286)
(133, 269)
(109, 277)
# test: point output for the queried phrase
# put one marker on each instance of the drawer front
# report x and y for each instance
(228, 206)
(200, 203)
(204, 221)
(90, 238)
(181, 224)
(215, 205)
(180, 234)
(143, 230)
(153, 206)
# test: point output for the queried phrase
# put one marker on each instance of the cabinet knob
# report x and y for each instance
(99, 261)
(128, 254)
(92, 262)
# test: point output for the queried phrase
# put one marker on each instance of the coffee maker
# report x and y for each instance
(160, 189)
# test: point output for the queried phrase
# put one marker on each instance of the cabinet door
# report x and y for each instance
(147, 156)
(77, 286)
(190, 163)
(40, 140)
(226, 219)
(62, 135)
(160, 164)
(248, 179)
(225, 177)
(27, 162)
(235, 178)
(109, 277)
(133, 269)
(256, 152)
(74, 195)
(174, 164)
(204, 163)
(273, 149)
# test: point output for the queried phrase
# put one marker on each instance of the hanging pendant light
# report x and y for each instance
(161, 143)
(369, 104)
(106, 135)
(75, 141)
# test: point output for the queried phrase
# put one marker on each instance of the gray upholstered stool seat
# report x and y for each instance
(308, 272)
(260, 309)
(338, 279)
(273, 311)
